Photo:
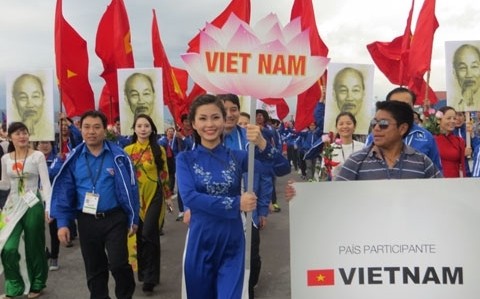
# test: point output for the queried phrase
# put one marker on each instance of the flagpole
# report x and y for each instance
(426, 101)
(60, 141)
(251, 164)
(111, 110)
(467, 135)
(248, 222)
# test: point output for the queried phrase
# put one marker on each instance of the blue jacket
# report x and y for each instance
(420, 139)
(319, 115)
(75, 137)
(474, 143)
(288, 135)
(311, 138)
(264, 171)
(64, 196)
(178, 145)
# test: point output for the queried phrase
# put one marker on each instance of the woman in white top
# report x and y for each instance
(23, 171)
(345, 123)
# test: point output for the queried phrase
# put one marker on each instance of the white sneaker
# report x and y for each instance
(179, 217)
(53, 265)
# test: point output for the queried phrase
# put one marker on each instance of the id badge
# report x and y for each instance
(90, 203)
(30, 198)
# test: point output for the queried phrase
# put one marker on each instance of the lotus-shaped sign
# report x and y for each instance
(267, 61)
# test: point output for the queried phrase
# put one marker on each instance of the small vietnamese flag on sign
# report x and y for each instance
(324, 277)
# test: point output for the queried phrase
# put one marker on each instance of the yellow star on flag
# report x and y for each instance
(126, 43)
(70, 74)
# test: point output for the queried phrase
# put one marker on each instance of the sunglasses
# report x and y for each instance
(382, 123)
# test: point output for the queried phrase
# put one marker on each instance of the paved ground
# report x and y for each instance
(69, 282)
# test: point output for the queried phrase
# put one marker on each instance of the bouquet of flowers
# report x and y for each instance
(329, 145)
(431, 120)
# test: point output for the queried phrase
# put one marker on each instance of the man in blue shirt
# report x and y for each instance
(97, 185)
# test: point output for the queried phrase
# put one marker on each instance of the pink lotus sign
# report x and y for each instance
(265, 61)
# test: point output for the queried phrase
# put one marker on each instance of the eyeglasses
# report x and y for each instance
(382, 123)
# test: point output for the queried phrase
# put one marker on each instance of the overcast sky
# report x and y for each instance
(346, 26)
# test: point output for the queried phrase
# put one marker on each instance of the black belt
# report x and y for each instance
(103, 215)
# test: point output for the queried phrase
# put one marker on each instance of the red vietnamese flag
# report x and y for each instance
(419, 87)
(241, 8)
(182, 79)
(194, 93)
(281, 106)
(173, 94)
(71, 60)
(105, 103)
(309, 98)
(420, 55)
(392, 57)
(114, 48)
(324, 277)
(422, 41)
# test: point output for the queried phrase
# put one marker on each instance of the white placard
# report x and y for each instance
(30, 101)
(386, 239)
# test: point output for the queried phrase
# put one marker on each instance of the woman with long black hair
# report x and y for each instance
(149, 160)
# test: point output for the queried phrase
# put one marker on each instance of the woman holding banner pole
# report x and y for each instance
(209, 181)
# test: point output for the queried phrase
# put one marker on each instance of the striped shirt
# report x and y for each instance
(367, 164)
(476, 164)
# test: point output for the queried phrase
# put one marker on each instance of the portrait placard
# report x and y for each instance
(30, 100)
(140, 91)
(349, 88)
(463, 75)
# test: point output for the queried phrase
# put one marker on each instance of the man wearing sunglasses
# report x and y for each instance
(389, 157)
(419, 138)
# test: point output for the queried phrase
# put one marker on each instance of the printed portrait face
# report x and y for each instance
(466, 63)
(349, 90)
(28, 98)
(140, 94)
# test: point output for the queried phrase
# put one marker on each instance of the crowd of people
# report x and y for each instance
(70, 183)
(203, 165)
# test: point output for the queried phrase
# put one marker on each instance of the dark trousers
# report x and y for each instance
(54, 242)
(301, 163)
(292, 156)
(148, 243)
(110, 234)
(180, 202)
(274, 191)
(171, 172)
(255, 261)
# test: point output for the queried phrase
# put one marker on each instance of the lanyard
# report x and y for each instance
(97, 175)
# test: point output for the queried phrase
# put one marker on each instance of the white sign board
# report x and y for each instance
(386, 239)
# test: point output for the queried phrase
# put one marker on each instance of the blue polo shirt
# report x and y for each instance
(96, 174)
